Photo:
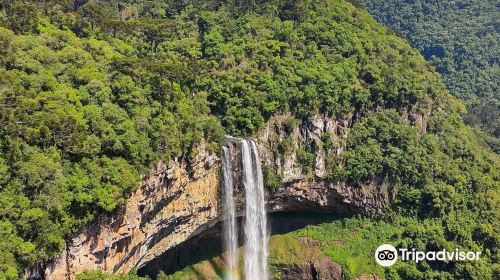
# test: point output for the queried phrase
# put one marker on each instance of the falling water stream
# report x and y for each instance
(230, 233)
(255, 214)
(255, 225)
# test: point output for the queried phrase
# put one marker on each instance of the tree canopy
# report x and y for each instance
(93, 93)
(461, 39)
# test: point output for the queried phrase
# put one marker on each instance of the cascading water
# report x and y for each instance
(255, 227)
(230, 234)
(256, 251)
(262, 212)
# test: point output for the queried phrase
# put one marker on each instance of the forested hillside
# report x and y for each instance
(462, 40)
(93, 93)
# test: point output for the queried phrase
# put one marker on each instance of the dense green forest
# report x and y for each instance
(462, 40)
(92, 93)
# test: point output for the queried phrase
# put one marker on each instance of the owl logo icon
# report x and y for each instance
(386, 255)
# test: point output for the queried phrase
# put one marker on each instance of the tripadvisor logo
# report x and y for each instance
(387, 255)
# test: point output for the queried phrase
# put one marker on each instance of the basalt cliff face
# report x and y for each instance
(179, 201)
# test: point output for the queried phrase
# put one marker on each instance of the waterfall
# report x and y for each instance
(230, 233)
(255, 225)
(256, 251)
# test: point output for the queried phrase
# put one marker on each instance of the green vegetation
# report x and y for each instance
(93, 93)
(209, 269)
(306, 160)
(446, 187)
(82, 114)
(460, 39)
(99, 275)
(351, 242)
(289, 125)
(271, 179)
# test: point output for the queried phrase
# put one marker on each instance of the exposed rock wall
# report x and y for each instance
(172, 204)
(282, 138)
(179, 201)
(314, 191)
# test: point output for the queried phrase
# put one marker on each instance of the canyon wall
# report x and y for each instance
(172, 204)
(178, 201)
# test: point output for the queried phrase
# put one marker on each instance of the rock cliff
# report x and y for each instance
(178, 201)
